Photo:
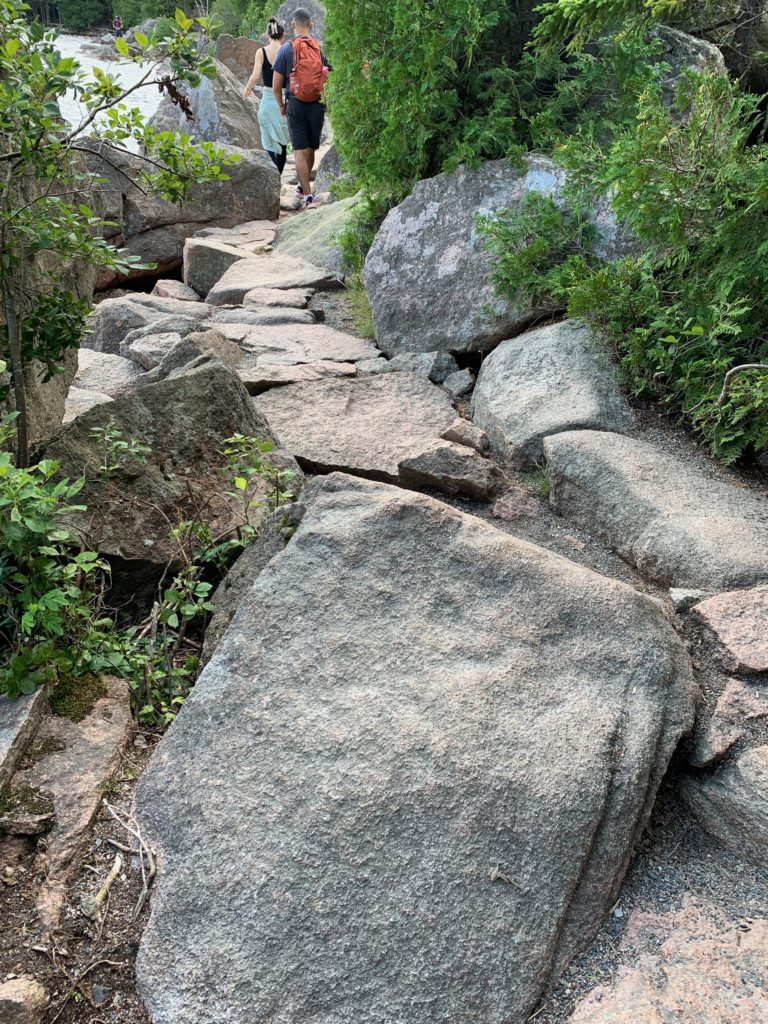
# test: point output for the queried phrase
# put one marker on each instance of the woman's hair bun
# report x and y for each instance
(275, 30)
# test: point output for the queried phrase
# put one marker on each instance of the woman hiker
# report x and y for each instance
(274, 129)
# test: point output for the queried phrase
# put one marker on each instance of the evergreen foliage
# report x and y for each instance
(81, 15)
(418, 87)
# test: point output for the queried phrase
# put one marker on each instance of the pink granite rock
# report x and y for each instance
(739, 620)
(738, 705)
(689, 966)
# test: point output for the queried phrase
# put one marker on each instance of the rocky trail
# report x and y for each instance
(484, 739)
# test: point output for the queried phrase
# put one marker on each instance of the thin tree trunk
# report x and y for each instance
(17, 376)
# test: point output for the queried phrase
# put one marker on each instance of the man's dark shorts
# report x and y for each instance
(305, 123)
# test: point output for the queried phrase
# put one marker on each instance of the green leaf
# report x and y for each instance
(122, 47)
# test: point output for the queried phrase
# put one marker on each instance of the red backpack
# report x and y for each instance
(307, 78)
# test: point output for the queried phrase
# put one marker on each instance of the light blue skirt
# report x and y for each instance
(274, 128)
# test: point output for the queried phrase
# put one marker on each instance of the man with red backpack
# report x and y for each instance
(302, 70)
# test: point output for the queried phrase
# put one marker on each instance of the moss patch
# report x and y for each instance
(73, 697)
(27, 799)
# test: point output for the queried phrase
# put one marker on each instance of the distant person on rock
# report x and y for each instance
(274, 131)
(117, 26)
(302, 70)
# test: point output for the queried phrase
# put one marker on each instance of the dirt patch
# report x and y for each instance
(87, 967)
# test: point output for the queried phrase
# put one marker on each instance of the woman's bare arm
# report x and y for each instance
(256, 73)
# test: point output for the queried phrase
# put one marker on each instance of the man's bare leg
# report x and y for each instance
(304, 160)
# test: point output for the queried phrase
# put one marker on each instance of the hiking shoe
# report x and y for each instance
(309, 201)
(299, 190)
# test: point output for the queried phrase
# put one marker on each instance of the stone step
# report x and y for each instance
(268, 271)
(296, 343)
(380, 802)
(678, 525)
(365, 426)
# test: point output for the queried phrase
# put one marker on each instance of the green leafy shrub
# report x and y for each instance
(538, 250)
(54, 627)
(690, 184)
(46, 607)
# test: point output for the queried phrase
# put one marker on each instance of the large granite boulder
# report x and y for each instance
(366, 426)
(185, 420)
(220, 112)
(545, 381)
(149, 226)
(427, 273)
(315, 237)
(380, 802)
(677, 525)
(316, 10)
(237, 54)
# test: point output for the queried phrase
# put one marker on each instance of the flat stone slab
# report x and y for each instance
(739, 620)
(365, 426)
(268, 271)
(543, 382)
(259, 376)
(294, 297)
(100, 371)
(266, 316)
(19, 720)
(452, 468)
(297, 343)
(732, 804)
(380, 802)
(690, 966)
(80, 400)
(676, 524)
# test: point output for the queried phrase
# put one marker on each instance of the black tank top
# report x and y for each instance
(266, 69)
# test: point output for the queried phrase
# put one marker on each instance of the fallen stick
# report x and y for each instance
(90, 906)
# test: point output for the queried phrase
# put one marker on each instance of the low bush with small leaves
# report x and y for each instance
(54, 620)
(688, 179)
